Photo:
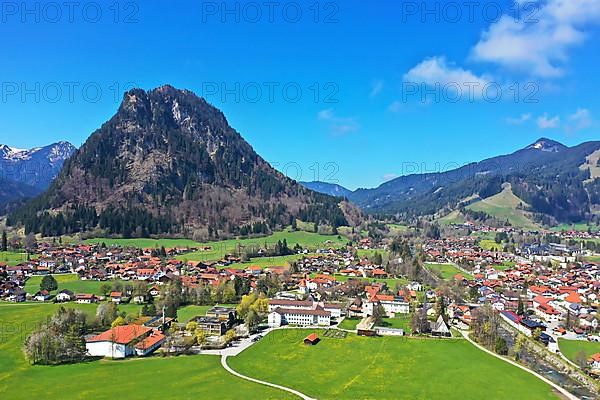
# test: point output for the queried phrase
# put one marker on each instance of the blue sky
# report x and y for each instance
(351, 92)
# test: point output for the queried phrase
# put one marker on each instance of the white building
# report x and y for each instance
(301, 317)
(124, 341)
(391, 304)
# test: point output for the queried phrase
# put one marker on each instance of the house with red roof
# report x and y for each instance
(124, 341)
(594, 361)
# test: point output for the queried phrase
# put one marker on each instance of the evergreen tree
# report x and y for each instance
(4, 241)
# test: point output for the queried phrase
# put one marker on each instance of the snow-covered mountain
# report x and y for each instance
(35, 167)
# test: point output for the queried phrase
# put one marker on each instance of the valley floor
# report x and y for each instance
(351, 368)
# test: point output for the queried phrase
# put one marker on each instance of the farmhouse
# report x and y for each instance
(124, 341)
(594, 361)
(86, 298)
(64, 295)
(116, 297)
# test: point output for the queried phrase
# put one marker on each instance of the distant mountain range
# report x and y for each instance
(557, 183)
(26, 173)
(331, 189)
(168, 162)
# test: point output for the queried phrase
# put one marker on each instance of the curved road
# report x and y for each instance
(231, 371)
(563, 391)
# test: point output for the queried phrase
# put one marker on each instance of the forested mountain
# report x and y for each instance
(331, 189)
(168, 162)
(554, 180)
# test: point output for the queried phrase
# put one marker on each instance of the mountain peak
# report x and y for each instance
(548, 145)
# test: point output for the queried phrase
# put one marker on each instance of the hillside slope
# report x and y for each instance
(546, 175)
(505, 206)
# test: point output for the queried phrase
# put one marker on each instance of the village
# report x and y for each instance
(544, 293)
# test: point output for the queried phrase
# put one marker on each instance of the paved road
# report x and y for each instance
(237, 347)
(231, 371)
(549, 382)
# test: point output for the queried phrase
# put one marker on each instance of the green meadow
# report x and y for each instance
(505, 207)
(183, 377)
(145, 243)
(447, 271)
(385, 368)
(308, 240)
(13, 258)
(70, 282)
(570, 348)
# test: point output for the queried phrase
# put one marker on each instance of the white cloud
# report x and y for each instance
(581, 119)
(338, 125)
(538, 42)
(436, 71)
(395, 107)
(376, 88)
(545, 122)
(519, 120)
(325, 115)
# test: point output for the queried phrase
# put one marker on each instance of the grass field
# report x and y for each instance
(385, 368)
(570, 348)
(504, 206)
(308, 240)
(155, 378)
(283, 261)
(398, 228)
(593, 259)
(67, 281)
(145, 243)
(12, 258)
(349, 323)
(455, 217)
(447, 271)
(581, 227)
(488, 244)
(402, 322)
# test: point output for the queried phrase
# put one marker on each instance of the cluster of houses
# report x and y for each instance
(464, 251)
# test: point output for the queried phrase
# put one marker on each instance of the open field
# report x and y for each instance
(398, 228)
(581, 227)
(308, 240)
(593, 259)
(264, 262)
(385, 368)
(504, 206)
(402, 322)
(447, 271)
(14, 258)
(145, 243)
(570, 348)
(454, 217)
(154, 378)
(489, 244)
(349, 323)
(70, 282)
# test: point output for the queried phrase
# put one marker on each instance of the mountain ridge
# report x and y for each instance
(168, 162)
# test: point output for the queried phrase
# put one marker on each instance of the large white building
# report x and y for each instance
(303, 313)
(391, 304)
